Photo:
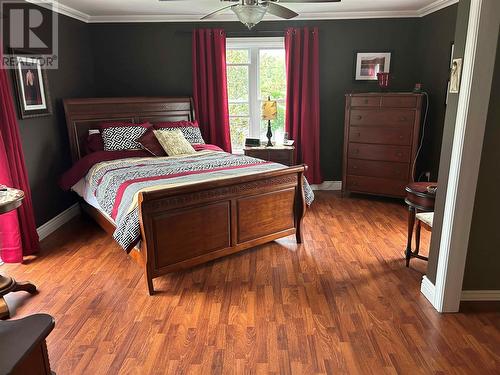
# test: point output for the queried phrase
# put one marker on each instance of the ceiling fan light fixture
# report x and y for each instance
(250, 15)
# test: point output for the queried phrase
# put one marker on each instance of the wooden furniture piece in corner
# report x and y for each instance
(193, 224)
(23, 349)
(11, 199)
(278, 154)
(381, 137)
(418, 199)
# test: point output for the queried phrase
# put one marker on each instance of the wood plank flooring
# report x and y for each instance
(342, 302)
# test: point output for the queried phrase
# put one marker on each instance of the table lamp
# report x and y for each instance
(269, 112)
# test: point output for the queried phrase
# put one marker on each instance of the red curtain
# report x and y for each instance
(210, 86)
(302, 97)
(18, 234)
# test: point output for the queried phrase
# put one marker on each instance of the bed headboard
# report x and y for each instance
(85, 114)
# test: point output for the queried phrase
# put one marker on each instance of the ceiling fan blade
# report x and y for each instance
(279, 10)
(309, 1)
(216, 12)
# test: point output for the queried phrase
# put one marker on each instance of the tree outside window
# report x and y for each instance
(255, 70)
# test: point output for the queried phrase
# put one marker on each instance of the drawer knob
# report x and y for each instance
(356, 151)
(366, 101)
(359, 117)
(402, 118)
(399, 154)
(354, 167)
(401, 137)
(358, 134)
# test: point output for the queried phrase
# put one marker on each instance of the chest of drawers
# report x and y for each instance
(381, 137)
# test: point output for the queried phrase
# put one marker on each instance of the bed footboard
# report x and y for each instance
(194, 224)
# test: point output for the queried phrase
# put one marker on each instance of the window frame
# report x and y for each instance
(254, 45)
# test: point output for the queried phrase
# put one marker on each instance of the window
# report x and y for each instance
(255, 70)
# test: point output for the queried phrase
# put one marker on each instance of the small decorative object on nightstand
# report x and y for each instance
(276, 154)
(269, 112)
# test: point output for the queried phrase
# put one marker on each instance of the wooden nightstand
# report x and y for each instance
(277, 154)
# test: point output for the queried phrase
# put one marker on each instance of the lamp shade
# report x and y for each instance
(250, 15)
(269, 110)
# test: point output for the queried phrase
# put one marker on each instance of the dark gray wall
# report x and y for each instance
(155, 59)
(482, 269)
(447, 143)
(437, 32)
(45, 139)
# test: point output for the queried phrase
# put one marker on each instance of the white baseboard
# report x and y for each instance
(428, 289)
(61, 219)
(480, 295)
(328, 185)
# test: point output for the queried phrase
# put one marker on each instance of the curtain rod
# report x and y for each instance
(243, 34)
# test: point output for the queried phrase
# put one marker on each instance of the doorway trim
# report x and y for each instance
(478, 65)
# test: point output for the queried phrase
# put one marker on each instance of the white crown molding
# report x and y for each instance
(232, 18)
(435, 6)
(81, 16)
(61, 9)
(480, 295)
(55, 223)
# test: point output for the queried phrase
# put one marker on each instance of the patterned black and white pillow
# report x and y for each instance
(191, 133)
(122, 138)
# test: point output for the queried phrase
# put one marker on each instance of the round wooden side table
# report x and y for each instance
(418, 199)
(11, 199)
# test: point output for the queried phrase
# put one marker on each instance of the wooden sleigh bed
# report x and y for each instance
(190, 225)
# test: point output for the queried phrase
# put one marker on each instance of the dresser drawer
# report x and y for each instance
(375, 185)
(399, 101)
(365, 101)
(383, 169)
(381, 135)
(382, 117)
(379, 152)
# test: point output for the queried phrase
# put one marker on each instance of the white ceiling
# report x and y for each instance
(192, 10)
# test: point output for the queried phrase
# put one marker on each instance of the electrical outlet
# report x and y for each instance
(428, 175)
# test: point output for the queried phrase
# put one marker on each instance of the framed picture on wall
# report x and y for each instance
(451, 65)
(368, 64)
(32, 89)
(455, 75)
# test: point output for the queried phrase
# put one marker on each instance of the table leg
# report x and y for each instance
(24, 286)
(417, 237)
(411, 224)
(4, 309)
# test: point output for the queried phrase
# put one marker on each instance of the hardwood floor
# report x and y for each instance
(343, 302)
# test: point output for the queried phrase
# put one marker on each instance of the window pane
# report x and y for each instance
(237, 82)
(272, 74)
(277, 126)
(240, 128)
(237, 56)
(239, 109)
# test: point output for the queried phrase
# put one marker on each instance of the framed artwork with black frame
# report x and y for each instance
(32, 89)
(368, 64)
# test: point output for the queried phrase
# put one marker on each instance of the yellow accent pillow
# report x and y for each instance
(173, 142)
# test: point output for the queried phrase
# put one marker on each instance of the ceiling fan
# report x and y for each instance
(251, 12)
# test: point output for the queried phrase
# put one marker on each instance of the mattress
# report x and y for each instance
(82, 188)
